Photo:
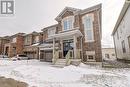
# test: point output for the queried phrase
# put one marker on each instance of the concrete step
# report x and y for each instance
(60, 63)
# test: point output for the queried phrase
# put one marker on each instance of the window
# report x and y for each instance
(117, 35)
(51, 31)
(68, 23)
(123, 47)
(14, 40)
(27, 40)
(90, 55)
(36, 40)
(90, 58)
(88, 28)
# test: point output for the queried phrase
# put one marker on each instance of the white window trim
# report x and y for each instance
(83, 20)
(91, 60)
(49, 34)
(14, 40)
(91, 53)
(66, 18)
(37, 39)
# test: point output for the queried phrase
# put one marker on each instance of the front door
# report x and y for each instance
(67, 45)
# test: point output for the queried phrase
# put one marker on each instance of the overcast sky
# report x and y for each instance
(33, 15)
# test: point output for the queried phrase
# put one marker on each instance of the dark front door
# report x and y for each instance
(67, 45)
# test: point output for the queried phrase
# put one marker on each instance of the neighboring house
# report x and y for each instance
(46, 49)
(15, 45)
(3, 41)
(76, 36)
(108, 53)
(31, 41)
(121, 33)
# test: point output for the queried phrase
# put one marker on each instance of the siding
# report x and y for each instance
(123, 32)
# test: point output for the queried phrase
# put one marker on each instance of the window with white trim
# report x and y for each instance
(36, 40)
(67, 23)
(14, 40)
(51, 31)
(90, 55)
(88, 28)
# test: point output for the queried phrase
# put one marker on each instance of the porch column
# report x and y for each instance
(39, 53)
(53, 47)
(75, 47)
(61, 42)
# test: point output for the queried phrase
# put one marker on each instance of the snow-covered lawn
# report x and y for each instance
(42, 74)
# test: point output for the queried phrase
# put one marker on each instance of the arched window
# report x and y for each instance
(88, 27)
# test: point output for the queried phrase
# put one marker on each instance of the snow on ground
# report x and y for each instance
(42, 74)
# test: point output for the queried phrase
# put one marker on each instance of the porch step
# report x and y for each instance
(60, 63)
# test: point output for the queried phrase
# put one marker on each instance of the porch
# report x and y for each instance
(64, 47)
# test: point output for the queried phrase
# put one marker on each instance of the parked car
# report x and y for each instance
(4, 56)
(20, 57)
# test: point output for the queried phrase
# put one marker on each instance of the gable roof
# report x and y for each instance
(55, 25)
(92, 8)
(67, 9)
(122, 14)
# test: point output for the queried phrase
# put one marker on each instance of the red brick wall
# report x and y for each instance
(87, 46)
(19, 44)
(96, 45)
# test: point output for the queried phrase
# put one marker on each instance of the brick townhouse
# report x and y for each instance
(3, 41)
(22, 43)
(15, 45)
(76, 36)
(31, 42)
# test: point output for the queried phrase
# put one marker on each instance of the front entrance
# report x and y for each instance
(67, 45)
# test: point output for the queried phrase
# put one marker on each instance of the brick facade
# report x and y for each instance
(87, 46)
(30, 46)
(94, 46)
(3, 41)
(25, 44)
(12, 48)
(19, 44)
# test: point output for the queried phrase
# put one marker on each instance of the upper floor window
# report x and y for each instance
(123, 47)
(68, 23)
(27, 40)
(88, 27)
(51, 31)
(117, 34)
(36, 40)
(14, 40)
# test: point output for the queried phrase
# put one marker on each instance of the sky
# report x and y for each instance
(34, 15)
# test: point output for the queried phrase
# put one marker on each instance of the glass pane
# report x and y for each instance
(88, 22)
(89, 35)
(68, 24)
(90, 57)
